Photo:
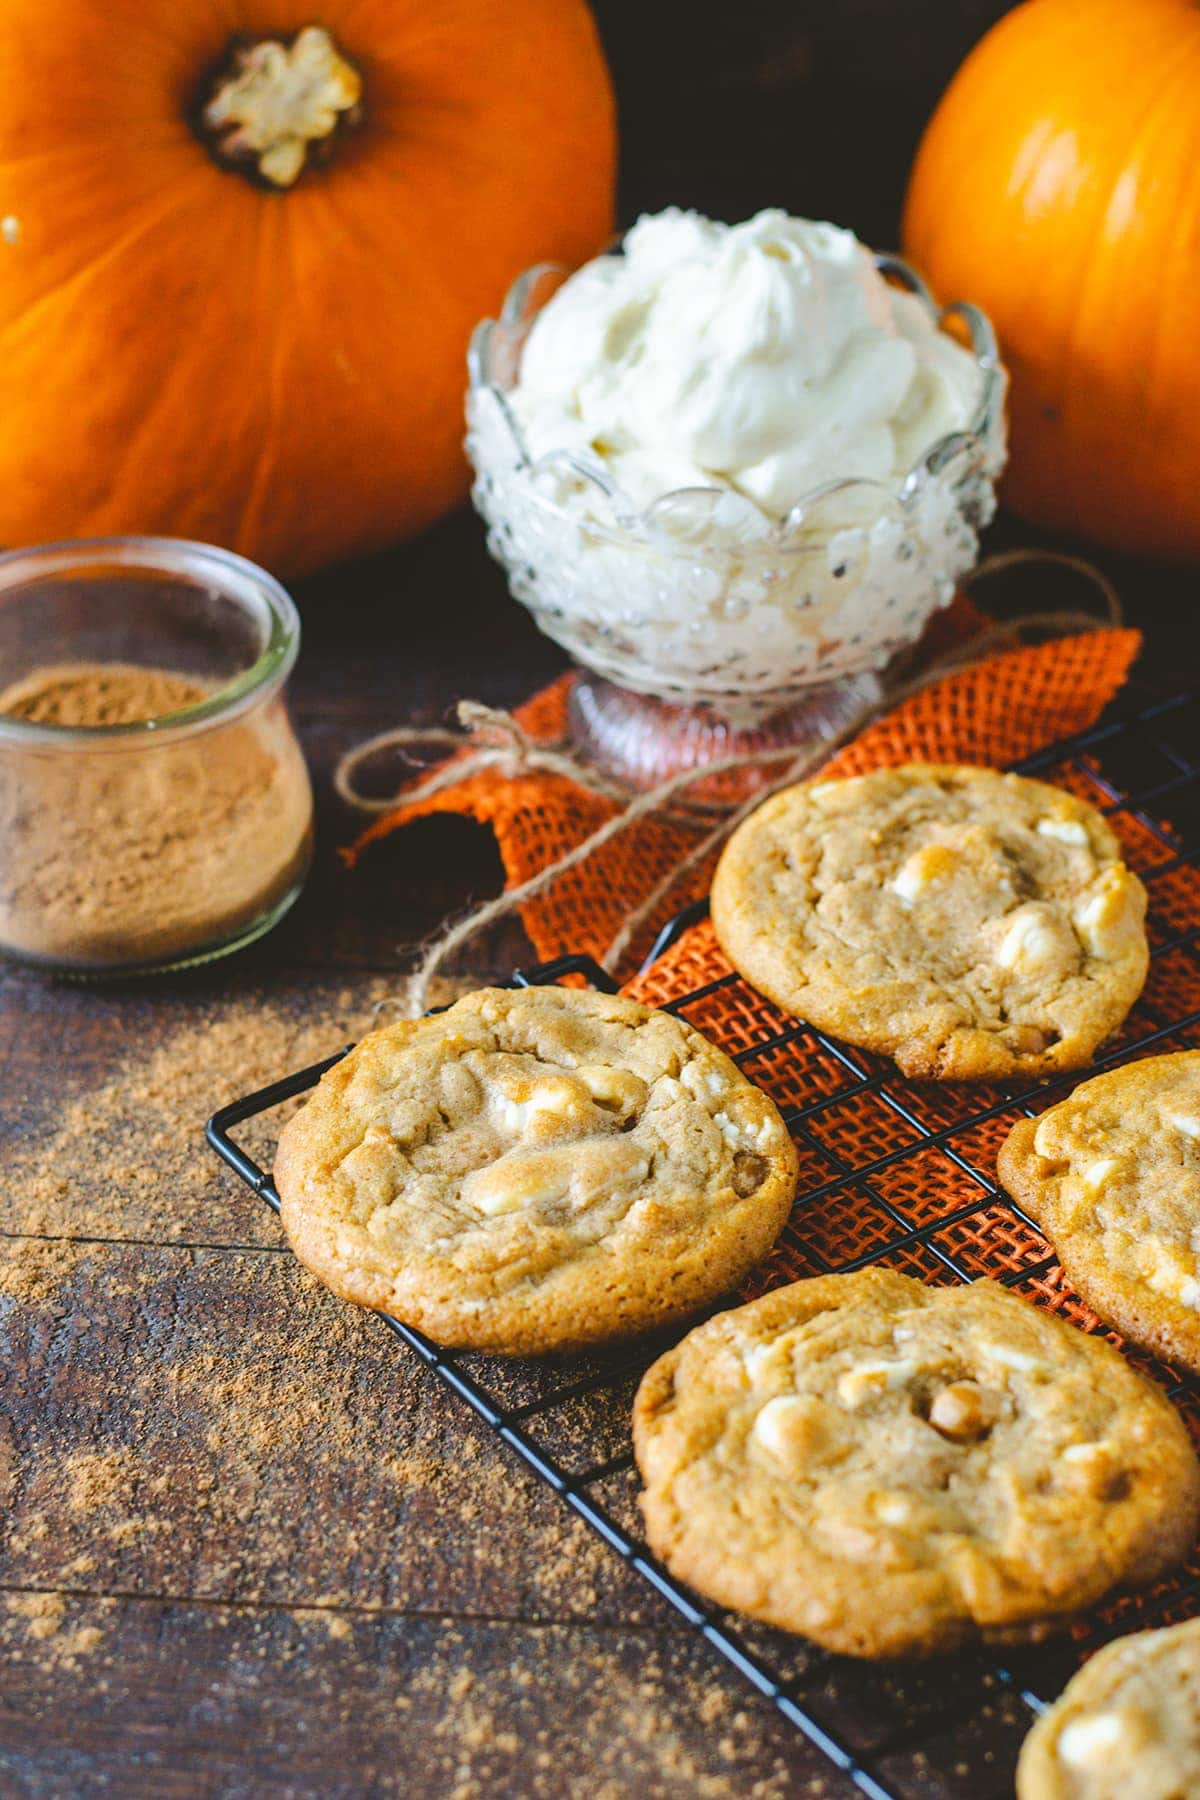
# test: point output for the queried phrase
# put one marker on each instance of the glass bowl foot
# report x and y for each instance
(643, 741)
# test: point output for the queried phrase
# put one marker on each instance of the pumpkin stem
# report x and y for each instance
(272, 104)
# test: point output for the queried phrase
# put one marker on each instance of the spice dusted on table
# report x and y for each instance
(124, 848)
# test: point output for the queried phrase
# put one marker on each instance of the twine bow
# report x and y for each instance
(490, 739)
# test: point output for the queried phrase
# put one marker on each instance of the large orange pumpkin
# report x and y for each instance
(243, 244)
(1058, 186)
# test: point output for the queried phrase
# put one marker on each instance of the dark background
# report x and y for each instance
(817, 107)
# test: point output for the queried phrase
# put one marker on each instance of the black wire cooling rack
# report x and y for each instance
(950, 1728)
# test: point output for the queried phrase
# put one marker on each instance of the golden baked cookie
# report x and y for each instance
(1127, 1727)
(890, 1468)
(1112, 1176)
(535, 1169)
(967, 923)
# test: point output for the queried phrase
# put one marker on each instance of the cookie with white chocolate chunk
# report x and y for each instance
(891, 1468)
(967, 923)
(1112, 1176)
(1127, 1727)
(535, 1169)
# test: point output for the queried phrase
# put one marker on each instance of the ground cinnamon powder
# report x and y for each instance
(232, 1432)
(99, 694)
(145, 848)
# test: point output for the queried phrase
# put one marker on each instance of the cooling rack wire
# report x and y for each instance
(896, 1173)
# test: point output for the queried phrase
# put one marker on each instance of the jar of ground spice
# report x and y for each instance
(155, 809)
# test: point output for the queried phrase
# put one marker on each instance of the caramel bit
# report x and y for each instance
(961, 1412)
(749, 1173)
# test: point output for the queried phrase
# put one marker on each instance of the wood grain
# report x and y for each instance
(210, 1424)
(190, 1702)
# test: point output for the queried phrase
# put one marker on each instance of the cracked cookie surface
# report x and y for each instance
(971, 925)
(1127, 1727)
(891, 1468)
(535, 1169)
(1112, 1176)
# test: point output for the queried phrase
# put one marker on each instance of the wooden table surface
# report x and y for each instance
(247, 1545)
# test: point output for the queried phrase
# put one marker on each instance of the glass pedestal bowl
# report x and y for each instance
(703, 628)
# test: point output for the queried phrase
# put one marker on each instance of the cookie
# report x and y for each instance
(535, 1169)
(968, 924)
(1127, 1727)
(1112, 1176)
(891, 1468)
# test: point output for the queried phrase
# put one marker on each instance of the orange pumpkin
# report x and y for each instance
(243, 244)
(1058, 186)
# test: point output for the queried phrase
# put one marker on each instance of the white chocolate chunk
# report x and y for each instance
(1089, 911)
(550, 1099)
(791, 1427)
(1098, 1172)
(820, 791)
(1185, 1123)
(1171, 1269)
(868, 1379)
(602, 1083)
(1087, 922)
(510, 1199)
(1075, 1453)
(702, 1082)
(907, 883)
(1083, 1742)
(1008, 1358)
(920, 870)
(729, 1129)
(1041, 1139)
(756, 1360)
(500, 1198)
(691, 1079)
(1026, 942)
(1066, 831)
(521, 1180)
(619, 1089)
(776, 1425)
(893, 1509)
(1107, 921)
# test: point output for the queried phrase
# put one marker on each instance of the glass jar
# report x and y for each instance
(155, 808)
(704, 628)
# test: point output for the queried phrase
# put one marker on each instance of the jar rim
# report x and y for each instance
(209, 565)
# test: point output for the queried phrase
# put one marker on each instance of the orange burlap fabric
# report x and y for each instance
(873, 1186)
(1001, 709)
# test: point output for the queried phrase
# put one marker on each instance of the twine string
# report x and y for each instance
(491, 738)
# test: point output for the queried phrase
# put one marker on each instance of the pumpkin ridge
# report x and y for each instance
(272, 428)
(94, 264)
(1158, 103)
